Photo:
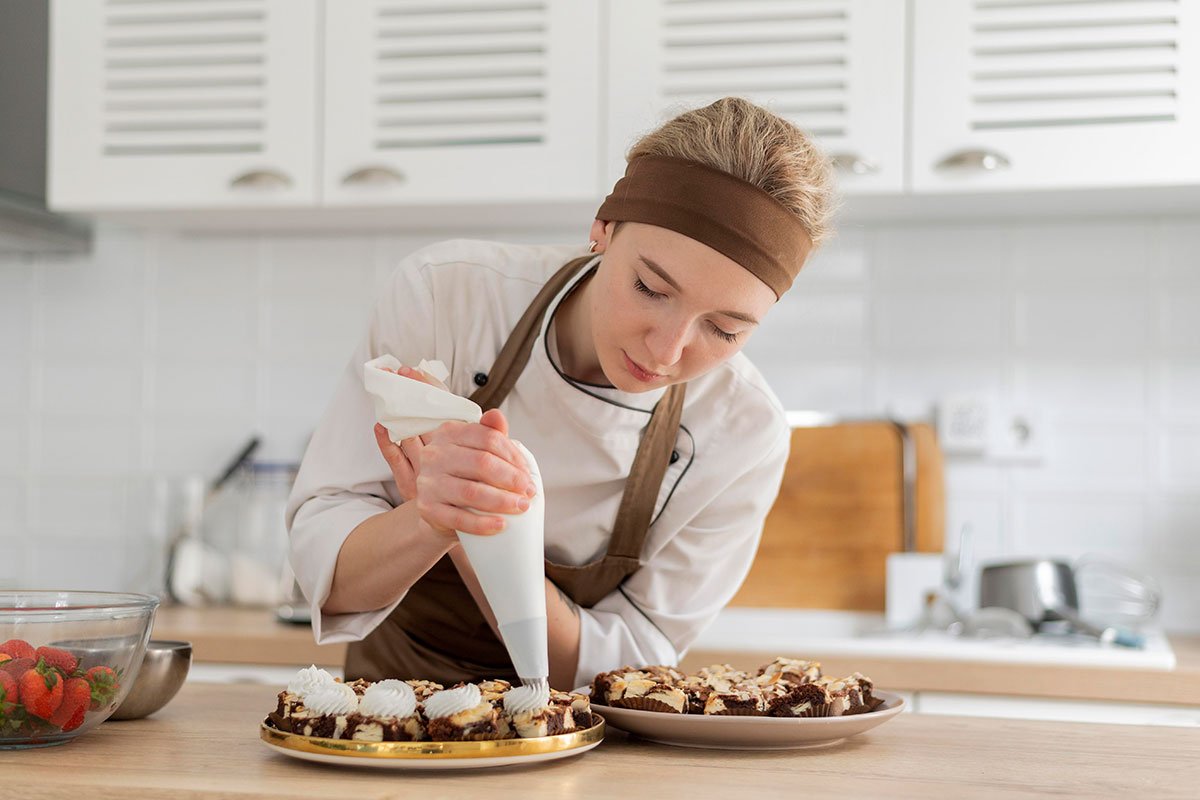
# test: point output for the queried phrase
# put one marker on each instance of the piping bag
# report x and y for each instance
(509, 564)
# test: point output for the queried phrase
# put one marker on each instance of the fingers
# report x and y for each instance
(479, 437)
(448, 517)
(494, 418)
(404, 472)
(419, 375)
(469, 494)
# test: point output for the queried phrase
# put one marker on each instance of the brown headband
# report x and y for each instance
(730, 215)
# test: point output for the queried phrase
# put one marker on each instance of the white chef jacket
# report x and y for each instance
(457, 301)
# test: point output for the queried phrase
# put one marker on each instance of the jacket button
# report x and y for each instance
(481, 379)
(674, 456)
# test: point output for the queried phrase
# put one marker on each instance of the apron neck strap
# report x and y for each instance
(658, 438)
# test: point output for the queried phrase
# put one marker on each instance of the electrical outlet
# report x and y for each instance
(963, 424)
(1017, 436)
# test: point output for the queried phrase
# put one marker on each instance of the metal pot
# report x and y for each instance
(1040, 590)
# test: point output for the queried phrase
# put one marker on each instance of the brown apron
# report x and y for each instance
(437, 632)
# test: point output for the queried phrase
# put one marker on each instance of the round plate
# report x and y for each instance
(433, 755)
(750, 733)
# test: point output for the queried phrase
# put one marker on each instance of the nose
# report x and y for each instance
(666, 342)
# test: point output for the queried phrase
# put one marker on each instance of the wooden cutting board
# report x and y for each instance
(840, 512)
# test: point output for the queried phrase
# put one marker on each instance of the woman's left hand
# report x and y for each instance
(404, 459)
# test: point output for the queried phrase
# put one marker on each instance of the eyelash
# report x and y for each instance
(646, 290)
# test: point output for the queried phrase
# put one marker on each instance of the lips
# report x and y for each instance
(638, 372)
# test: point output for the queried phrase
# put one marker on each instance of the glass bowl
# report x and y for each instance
(67, 660)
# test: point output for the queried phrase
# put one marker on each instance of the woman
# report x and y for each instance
(660, 446)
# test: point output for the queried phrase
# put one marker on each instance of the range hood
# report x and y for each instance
(26, 225)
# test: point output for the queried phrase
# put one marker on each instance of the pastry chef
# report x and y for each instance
(618, 365)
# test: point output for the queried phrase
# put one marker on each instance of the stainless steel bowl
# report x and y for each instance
(164, 668)
(1041, 590)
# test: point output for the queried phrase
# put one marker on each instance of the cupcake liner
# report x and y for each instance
(737, 712)
(644, 704)
(824, 710)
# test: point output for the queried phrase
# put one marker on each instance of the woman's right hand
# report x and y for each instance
(470, 472)
(462, 474)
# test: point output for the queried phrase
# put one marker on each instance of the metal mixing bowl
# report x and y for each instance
(164, 668)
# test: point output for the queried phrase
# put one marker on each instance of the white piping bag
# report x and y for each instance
(509, 564)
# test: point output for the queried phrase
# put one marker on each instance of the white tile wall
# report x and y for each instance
(158, 354)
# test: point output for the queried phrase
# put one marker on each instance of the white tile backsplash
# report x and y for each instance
(1180, 321)
(1082, 324)
(1181, 388)
(942, 323)
(187, 344)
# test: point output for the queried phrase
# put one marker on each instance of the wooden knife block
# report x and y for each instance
(841, 510)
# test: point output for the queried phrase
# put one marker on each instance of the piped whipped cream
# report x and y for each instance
(336, 698)
(449, 702)
(389, 698)
(308, 680)
(526, 699)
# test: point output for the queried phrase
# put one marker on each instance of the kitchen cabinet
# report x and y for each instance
(460, 102)
(834, 67)
(182, 105)
(1011, 95)
(278, 103)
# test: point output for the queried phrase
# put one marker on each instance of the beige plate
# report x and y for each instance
(750, 733)
(432, 755)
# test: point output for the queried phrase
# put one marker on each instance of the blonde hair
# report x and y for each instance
(758, 146)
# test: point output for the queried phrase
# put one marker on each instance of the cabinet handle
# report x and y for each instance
(975, 161)
(373, 176)
(854, 164)
(261, 179)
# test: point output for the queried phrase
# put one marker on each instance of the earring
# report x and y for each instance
(592, 246)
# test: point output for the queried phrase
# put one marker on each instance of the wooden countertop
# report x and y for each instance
(253, 636)
(205, 744)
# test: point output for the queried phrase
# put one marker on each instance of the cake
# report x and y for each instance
(788, 670)
(642, 691)
(783, 687)
(534, 714)
(317, 704)
(461, 714)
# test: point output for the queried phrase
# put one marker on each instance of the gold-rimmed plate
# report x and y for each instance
(750, 733)
(432, 755)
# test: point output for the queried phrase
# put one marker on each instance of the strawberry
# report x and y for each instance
(77, 696)
(104, 685)
(41, 690)
(9, 694)
(60, 659)
(17, 666)
(17, 648)
(75, 721)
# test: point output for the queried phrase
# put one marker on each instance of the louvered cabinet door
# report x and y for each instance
(159, 104)
(836, 68)
(1032, 94)
(460, 100)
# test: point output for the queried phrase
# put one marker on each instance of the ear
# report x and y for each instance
(601, 233)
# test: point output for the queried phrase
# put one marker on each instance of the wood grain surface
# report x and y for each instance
(205, 745)
(839, 513)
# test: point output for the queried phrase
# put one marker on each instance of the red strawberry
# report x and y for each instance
(17, 666)
(77, 696)
(41, 690)
(75, 721)
(58, 658)
(9, 693)
(104, 685)
(17, 648)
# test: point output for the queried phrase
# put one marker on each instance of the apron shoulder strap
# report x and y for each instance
(513, 357)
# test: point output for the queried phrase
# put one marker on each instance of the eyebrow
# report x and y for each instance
(662, 273)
